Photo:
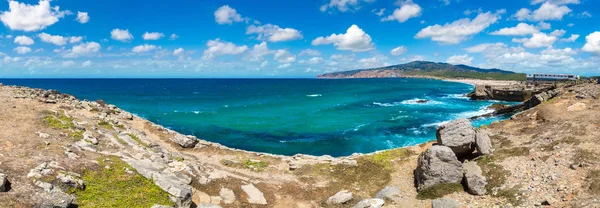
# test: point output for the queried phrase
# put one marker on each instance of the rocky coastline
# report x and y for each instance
(54, 150)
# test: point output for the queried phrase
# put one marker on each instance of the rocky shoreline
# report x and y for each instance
(55, 147)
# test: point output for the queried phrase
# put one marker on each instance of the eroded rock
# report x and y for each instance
(3, 183)
(459, 135)
(436, 165)
(370, 203)
(185, 141)
(390, 193)
(340, 197)
(444, 203)
(255, 196)
(70, 180)
(483, 142)
(474, 181)
(227, 195)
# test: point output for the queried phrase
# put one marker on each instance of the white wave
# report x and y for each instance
(398, 117)
(196, 112)
(457, 96)
(436, 124)
(482, 111)
(387, 104)
(417, 101)
(314, 95)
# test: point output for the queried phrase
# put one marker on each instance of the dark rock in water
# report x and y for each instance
(459, 135)
(437, 165)
(421, 101)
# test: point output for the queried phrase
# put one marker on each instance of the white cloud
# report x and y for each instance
(143, 48)
(373, 62)
(22, 50)
(520, 29)
(178, 52)
(284, 56)
(344, 5)
(457, 31)
(355, 40)
(283, 66)
(309, 52)
(274, 33)
(173, 36)
(557, 2)
(26, 17)
(558, 33)
(314, 60)
(83, 17)
(75, 39)
(68, 63)
(398, 51)
(379, 12)
(227, 15)
(548, 11)
(406, 11)
(544, 25)
(537, 40)
(258, 52)
(218, 48)
(23, 40)
(54, 39)
(584, 14)
(83, 49)
(592, 43)
(572, 38)
(460, 59)
(263, 64)
(86, 63)
(121, 35)
(152, 36)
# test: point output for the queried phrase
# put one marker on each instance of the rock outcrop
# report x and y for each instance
(185, 141)
(474, 181)
(436, 165)
(444, 203)
(483, 142)
(3, 183)
(459, 135)
(390, 193)
(255, 196)
(370, 203)
(340, 197)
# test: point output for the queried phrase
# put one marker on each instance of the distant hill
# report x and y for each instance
(428, 69)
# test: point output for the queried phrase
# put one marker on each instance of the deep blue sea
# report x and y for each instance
(335, 117)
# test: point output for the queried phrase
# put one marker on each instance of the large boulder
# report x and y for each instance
(483, 142)
(459, 135)
(185, 141)
(370, 203)
(390, 193)
(255, 196)
(3, 183)
(474, 181)
(436, 165)
(340, 197)
(444, 203)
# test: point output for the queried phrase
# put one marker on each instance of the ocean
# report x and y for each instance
(334, 117)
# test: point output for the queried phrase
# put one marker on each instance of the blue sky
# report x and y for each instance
(290, 38)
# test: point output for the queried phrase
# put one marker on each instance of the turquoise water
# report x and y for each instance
(287, 116)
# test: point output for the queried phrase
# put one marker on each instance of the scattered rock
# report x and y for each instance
(370, 203)
(3, 183)
(390, 193)
(474, 181)
(227, 195)
(50, 101)
(185, 141)
(459, 135)
(483, 142)
(340, 197)
(42, 135)
(71, 181)
(255, 196)
(436, 165)
(55, 199)
(160, 206)
(444, 203)
(345, 162)
(39, 171)
(208, 206)
(576, 107)
(89, 137)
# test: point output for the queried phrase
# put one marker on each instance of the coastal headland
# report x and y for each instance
(58, 151)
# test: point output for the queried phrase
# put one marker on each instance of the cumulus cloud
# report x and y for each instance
(520, 29)
(173, 36)
(537, 40)
(558, 33)
(557, 2)
(398, 51)
(22, 50)
(592, 43)
(54, 39)
(84, 49)
(86, 63)
(373, 62)
(82, 17)
(23, 40)
(143, 48)
(460, 59)
(459, 30)
(274, 33)
(378, 12)
(548, 11)
(121, 35)
(407, 10)
(355, 40)
(152, 36)
(75, 39)
(26, 17)
(309, 52)
(258, 52)
(218, 48)
(227, 15)
(178, 52)
(572, 38)
(284, 56)
(344, 5)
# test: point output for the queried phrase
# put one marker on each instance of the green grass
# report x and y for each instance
(439, 190)
(512, 195)
(387, 157)
(593, 178)
(105, 125)
(77, 134)
(257, 166)
(123, 142)
(512, 152)
(120, 126)
(138, 140)
(496, 176)
(59, 122)
(113, 187)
